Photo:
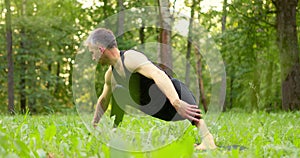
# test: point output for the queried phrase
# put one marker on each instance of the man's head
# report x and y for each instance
(100, 40)
(101, 37)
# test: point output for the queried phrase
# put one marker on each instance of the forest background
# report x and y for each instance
(258, 42)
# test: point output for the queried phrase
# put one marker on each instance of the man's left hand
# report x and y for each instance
(187, 111)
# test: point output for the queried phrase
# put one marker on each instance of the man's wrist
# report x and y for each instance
(176, 103)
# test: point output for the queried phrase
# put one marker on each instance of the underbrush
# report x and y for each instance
(263, 135)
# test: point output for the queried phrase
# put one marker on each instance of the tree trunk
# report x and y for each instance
(10, 63)
(269, 93)
(142, 36)
(232, 78)
(121, 18)
(224, 18)
(105, 6)
(256, 87)
(56, 89)
(289, 53)
(200, 78)
(165, 56)
(23, 99)
(189, 46)
(32, 86)
(255, 90)
(48, 84)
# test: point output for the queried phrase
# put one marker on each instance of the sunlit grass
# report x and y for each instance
(264, 135)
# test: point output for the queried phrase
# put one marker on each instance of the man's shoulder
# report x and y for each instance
(132, 52)
(134, 59)
(134, 55)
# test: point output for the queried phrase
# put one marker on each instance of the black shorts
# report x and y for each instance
(159, 106)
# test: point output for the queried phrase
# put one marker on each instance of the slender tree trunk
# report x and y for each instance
(256, 87)
(200, 78)
(32, 86)
(23, 97)
(289, 53)
(189, 46)
(105, 6)
(224, 18)
(121, 18)
(142, 35)
(56, 89)
(70, 76)
(10, 63)
(269, 93)
(48, 85)
(255, 100)
(165, 55)
(231, 91)
(199, 63)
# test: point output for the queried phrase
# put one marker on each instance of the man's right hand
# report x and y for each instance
(95, 122)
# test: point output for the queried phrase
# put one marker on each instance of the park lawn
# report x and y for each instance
(264, 135)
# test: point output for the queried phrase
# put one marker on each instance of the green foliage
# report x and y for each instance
(48, 34)
(250, 54)
(263, 134)
(44, 45)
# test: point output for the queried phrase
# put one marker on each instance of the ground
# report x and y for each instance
(264, 135)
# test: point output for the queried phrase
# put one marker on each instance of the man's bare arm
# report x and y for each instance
(166, 86)
(161, 80)
(104, 98)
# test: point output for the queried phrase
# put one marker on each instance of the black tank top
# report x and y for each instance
(137, 84)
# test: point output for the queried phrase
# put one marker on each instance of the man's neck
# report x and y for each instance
(115, 55)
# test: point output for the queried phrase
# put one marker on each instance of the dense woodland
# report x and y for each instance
(258, 41)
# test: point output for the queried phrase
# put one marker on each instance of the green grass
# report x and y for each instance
(264, 135)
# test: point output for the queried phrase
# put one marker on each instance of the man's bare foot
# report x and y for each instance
(207, 143)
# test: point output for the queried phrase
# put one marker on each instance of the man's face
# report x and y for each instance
(98, 54)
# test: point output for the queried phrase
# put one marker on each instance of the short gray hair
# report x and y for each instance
(103, 37)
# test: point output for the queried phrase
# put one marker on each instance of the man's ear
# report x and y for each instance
(102, 49)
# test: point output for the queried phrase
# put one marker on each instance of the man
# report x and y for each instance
(133, 79)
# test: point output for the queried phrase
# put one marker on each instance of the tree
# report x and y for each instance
(45, 41)
(246, 45)
(231, 79)
(165, 55)
(200, 78)
(191, 42)
(189, 45)
(287, 41)
(121, 18)
(10, 62)
(23, 98)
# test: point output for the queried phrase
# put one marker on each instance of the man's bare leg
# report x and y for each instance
(206, 137)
